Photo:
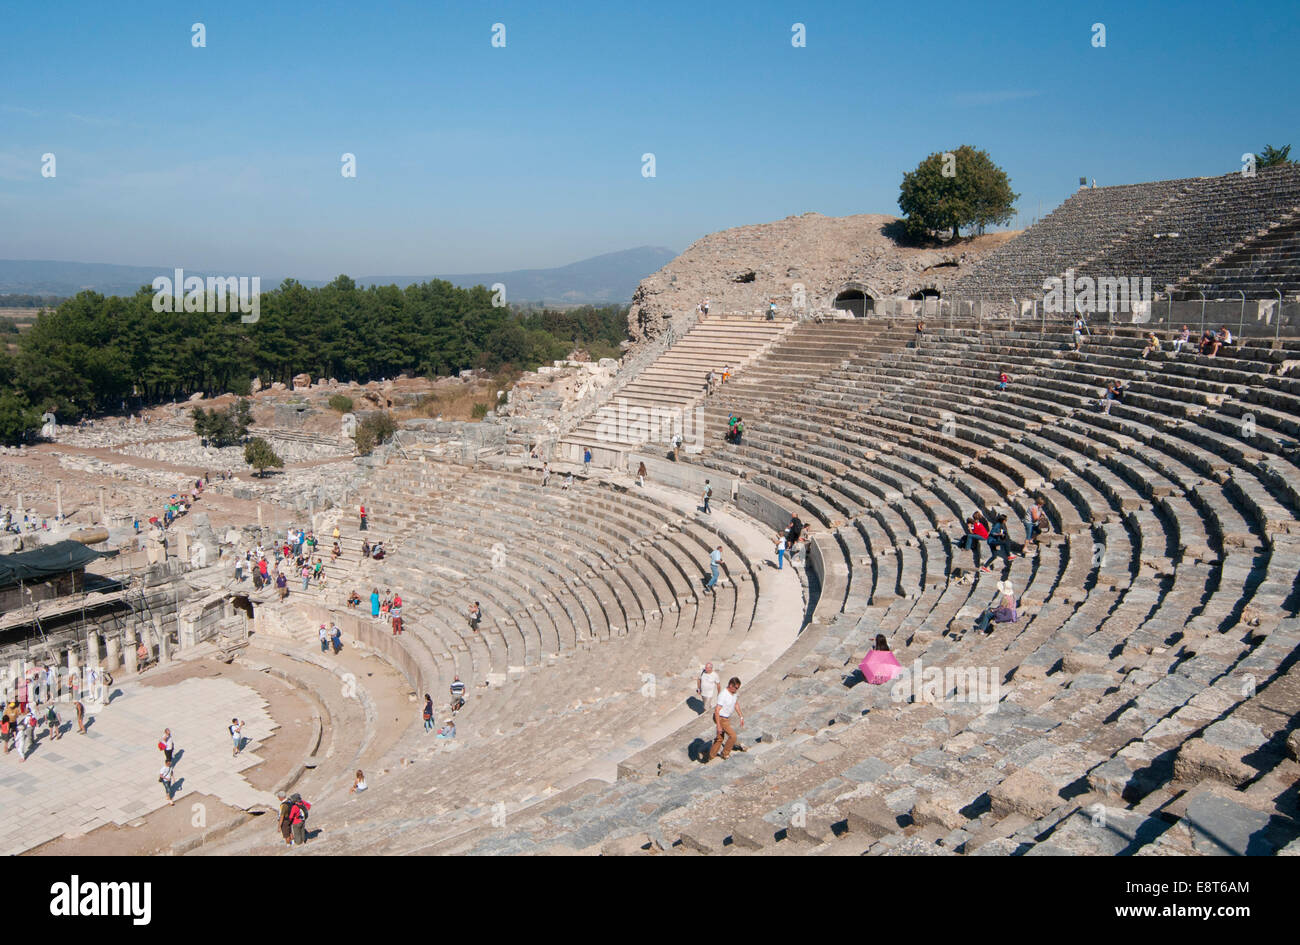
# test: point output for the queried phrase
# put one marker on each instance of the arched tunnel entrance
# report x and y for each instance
(856, 302)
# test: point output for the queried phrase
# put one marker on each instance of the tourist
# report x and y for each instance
(706, 496)
(336, 638)
(706, 687)
(1153, 344)
(1115, 392)
(771, 310)
(1184, 337)
(167, 746)
(780, 551)
(365, 549)
(374, 602)
(728, 705)
(336, 552)
(793, 531)
(1003, 380)
(640, 475)
(1080, 326)
(165, 775)
(6, 732)
(882, 645)
(363, 518)
(354, 599)
(457, 695)
(378, 553)
(586, 461)
(1004, 612)
(298, 812)
(1034, 519)
(475, 615)
(1207, 341)
(448, 730)
(282, 822)
(546, 474)
(358, 783)
(281, 585)
(236, 729)
(726, 374)
(977, 530)
(920, 333)
(998, 543)
(715, 563)
(324, 635)
(306, 576)
(81, 717)
(705, 307)
(427, 714)
(396, 612)
(708, 381)
(568, 481)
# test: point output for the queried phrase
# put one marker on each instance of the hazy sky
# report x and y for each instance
(474, 158)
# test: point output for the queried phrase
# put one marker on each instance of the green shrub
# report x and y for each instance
(372, 431)
(341, 402)
(480, 410)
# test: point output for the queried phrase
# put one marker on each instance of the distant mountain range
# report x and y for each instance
(607, 279)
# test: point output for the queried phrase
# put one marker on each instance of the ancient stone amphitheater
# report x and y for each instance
(1145, 701)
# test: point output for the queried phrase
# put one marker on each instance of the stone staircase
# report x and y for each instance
(670, 387)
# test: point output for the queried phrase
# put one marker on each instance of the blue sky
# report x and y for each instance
(474, 158)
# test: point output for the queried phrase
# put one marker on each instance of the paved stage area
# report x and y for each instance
(110, 774)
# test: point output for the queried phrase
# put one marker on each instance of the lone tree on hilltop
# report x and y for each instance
(953, 189)
(259, 455)
(1274, 157)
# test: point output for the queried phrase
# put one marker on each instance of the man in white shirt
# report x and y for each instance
(727, 707)
(706, 687)
(715, 562)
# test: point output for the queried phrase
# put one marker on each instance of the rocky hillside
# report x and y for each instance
(741, 268)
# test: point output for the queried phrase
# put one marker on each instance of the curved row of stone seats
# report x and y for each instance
(539, 725)
(635, 565)
(1091, 653)
(1090, 218)
(1259, 267)
(1209, 217)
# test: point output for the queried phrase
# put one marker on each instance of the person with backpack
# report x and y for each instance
(298, 813)
(427, 714)
(336, 637)
(457, 695)
(236, 729)
(586, 460)
(165, 775)
(707, 495)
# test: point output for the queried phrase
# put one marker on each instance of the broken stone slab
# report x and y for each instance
(1024, 792)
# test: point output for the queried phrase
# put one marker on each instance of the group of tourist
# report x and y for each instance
(331, 636)
(9, 522)
(20, 721)
(715, 379)
(387, 607)
(375, 551)
(448, 729)
(993, 529)
(788, 542)
(724, 705)
(735, 430)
